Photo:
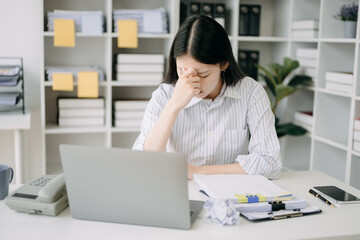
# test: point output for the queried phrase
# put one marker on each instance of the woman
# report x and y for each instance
(206, 108)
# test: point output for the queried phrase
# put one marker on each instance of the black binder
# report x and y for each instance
(183, 11)
(253, 61)
(207, 9)
(254, 15)
(219, 13)
(243, 61)
(248, 61)
(244, 20)
(193, 9)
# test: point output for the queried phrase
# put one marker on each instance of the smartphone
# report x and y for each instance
(341, 196)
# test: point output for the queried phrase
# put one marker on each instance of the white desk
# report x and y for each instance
(333, 223)
(16, 121)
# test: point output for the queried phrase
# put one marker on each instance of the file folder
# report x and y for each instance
(219, 13)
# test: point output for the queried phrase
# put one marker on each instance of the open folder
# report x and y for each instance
(241, 188)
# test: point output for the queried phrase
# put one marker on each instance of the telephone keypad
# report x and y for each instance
(40, 182)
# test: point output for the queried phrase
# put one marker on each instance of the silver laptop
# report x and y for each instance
(125, 186)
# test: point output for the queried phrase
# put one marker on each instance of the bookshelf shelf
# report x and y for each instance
(331, 143)
(261, 39)
(155, 36)
(115, 83)
(55, 129)
(103, 35)
(328, 148)
(335, 93)
(125, 130)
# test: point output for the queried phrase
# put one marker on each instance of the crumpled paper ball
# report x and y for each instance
(222, 211)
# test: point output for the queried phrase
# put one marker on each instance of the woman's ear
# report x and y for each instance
(224, 66)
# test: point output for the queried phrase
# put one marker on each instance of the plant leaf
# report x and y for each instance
(289, 66)
(269, 83)
(277, 69)
(283, 91)
(290, 129)
(300, 80)
(268, 74)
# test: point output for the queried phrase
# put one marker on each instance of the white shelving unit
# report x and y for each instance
(328, 149)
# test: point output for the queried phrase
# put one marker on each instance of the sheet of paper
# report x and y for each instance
(91, 24)
(88, 85)
(152, 22)
(127, 34)
(63, 82)
(64, 33)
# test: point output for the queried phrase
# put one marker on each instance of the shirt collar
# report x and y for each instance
(226, 91)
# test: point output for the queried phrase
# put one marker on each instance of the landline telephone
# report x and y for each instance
(44, 195)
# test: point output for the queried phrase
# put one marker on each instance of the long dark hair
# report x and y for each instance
(207, 42)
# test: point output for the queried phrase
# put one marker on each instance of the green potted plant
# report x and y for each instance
(281, 82)
(348, 13)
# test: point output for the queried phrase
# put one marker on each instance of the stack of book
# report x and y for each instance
(339, 81)
(129, 113)
(304, 119)
(308, 58)
(356, 136)
(147, 68)
(76, 112)
(50, 70)
(305, 28)
(151, 21)
(86, 22)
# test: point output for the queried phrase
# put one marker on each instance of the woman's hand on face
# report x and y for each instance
(187, 86)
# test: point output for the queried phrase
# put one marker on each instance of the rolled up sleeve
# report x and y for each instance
(264, 148)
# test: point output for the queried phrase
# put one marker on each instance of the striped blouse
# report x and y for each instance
(237, 126)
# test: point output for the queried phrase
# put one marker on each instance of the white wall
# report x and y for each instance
(21, 36)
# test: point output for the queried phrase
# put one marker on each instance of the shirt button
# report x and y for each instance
(210, 134)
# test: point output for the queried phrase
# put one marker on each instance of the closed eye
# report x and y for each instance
(204, 76)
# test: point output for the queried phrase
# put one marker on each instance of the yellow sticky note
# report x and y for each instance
(88, 84)
(64, 33)
(62, 82)
(127, 34)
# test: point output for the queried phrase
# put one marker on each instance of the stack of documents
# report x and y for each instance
(129, 114)
(152, 21)
(308, 60)
(339, 81)
(304, 119)
(308, 28)
(86, 22)
(50, 70)
(264, 198)
(75, 112)
(140, 68)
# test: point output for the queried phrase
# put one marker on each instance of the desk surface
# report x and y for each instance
(331, 224)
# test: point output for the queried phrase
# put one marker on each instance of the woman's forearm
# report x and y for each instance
(159, 135)
(234, 168)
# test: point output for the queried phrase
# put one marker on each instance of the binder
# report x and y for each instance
(244, 20)
(281, 214)
(183, 11)
(253, 61)
(207, 9)
(254, 15)
(243, 61)
(219, 13)
(194, 9)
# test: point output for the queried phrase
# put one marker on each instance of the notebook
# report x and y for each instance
(232, 186)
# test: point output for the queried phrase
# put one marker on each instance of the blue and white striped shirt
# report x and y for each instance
(217, 132)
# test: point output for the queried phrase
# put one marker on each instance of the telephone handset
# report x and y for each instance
(44, 195)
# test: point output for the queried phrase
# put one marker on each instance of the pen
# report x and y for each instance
(315, 194)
